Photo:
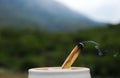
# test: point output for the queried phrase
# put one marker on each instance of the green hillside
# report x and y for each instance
(21, 49)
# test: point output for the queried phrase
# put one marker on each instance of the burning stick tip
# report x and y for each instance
(80, 45)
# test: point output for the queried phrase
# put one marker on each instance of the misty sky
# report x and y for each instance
(99, 10)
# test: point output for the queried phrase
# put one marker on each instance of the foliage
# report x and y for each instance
(21, 49)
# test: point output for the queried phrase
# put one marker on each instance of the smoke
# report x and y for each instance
(100, 53)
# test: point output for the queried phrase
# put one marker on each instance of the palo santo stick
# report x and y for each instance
(72, 56)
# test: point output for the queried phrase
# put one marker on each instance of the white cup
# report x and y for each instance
(57, 72)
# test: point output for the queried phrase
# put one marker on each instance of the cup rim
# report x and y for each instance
(46, 69)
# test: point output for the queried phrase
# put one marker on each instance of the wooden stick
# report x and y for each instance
(72, 57)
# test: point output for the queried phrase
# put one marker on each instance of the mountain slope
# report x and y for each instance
(47, 13)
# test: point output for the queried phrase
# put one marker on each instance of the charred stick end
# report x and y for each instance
(80, 45)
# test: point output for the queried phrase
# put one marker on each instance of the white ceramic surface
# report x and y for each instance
(57, 72)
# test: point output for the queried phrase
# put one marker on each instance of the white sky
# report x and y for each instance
(98, 10)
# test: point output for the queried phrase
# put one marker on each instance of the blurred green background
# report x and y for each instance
(22, 49)
(42, 33)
